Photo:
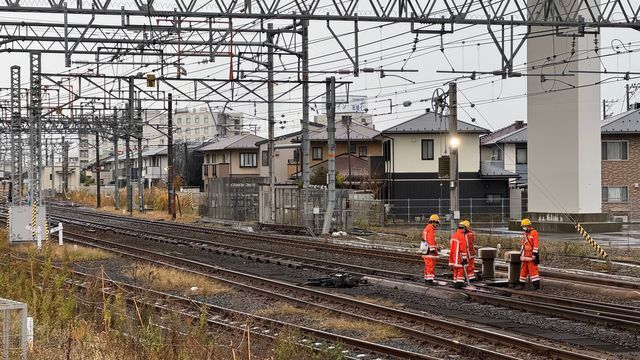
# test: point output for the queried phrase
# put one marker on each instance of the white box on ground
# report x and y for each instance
(20, 225)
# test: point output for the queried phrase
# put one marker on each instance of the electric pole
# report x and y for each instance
(170, 199)
(306, 145)
(98, 194)
(453, 156)
(271, 118)
(116, 175)
(140, 164)
(127, 149)
(331, 153)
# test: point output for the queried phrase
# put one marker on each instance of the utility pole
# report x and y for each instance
(16, 138)
(116, 194)
(453, 154)
(306, 146)
(98, 194)
(271, 119)
(140, 164)
(65, 167)
(331, 153)
(348, 121)
(170, 199)
(627, 92)
(127, 149)
(53, 169)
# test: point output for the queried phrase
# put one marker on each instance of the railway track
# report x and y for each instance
(223, 317)
(349, 305)
(624, 317)
(408, 258)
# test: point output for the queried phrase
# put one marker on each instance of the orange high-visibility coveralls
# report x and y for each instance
(457, 253)
(471, 253)
(429, 237)
(529, 248)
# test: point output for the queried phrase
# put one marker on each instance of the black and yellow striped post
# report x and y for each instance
(34, 220)
(590, 241)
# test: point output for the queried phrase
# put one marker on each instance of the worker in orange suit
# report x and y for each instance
(471, 251)
(429, 249)
(458, 255)
(529, 256)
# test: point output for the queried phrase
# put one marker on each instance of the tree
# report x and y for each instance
(319, 177)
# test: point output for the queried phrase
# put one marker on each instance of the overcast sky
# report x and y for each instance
(497, 102)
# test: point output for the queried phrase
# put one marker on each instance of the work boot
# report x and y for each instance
(520, 286)
(536, 285)
(458, 285)
(429, 282)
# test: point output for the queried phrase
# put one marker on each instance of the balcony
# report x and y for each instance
(153, 172)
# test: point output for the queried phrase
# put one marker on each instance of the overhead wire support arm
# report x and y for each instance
(354, 59)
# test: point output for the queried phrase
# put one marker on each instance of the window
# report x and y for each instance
(188, 121)
(494, 198)
(205, 170)
(521, 155)
(265, 158)
(362, 151)
(427, 149)
(614, 150)
(352, 149)
(496, 153)
(197, 120)
(84, 143)
(84, 153)
(296, 155)
(615, 194)
(316, 153)
(248, 159)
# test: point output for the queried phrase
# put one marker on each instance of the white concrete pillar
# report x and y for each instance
(563, 126)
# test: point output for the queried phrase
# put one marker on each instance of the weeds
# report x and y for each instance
(167, 279)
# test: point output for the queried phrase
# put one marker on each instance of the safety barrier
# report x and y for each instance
(590, 241)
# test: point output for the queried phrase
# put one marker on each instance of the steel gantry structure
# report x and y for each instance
(172, 35)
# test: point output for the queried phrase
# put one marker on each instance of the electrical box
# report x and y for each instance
(151, 80)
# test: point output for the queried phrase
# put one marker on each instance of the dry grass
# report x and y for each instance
(282, 309)
(370, 330)
(66, 252)
(155, 200)
(380, 301)
(167, 279)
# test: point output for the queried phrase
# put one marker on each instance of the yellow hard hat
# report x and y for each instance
(525, 222)
(466, 224)
(434, 217)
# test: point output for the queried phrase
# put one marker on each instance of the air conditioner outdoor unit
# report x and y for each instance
(621, 219)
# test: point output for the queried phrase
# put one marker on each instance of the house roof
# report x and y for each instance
(359, 166)
(489, 170)
(244, 141)
(354, 132)
(627, 122)
(294, 134)
(432, 123)
(514, 133)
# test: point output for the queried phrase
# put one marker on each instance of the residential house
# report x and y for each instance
(235, 156)
(360, 138)
(414, 152)
(621, 165)
(506, 149)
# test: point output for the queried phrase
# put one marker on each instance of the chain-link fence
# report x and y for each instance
(14, 329)
(474, 209)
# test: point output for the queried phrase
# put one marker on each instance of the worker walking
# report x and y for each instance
(458, 256)
(529, 256)
(429, 249)
(471, 252)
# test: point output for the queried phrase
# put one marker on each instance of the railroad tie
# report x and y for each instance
(591, 241)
